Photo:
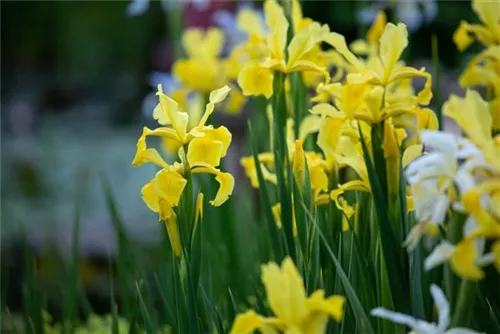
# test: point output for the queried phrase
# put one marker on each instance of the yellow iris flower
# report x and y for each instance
(202, 70)
(472, 114)
(384, 69)
(257, 77)
(294, 312)
(487, 33)
(204, 145)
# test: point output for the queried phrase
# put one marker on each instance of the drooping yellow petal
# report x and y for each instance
(149, 196)
(333, 306)
(225, 180)
(461, 36)
(256, 80)
(169, 186)
(392, 44)
(216, 96)
(463, 260)
(425, 95)
(144, 154)
(338, 42)
(246, 322)
(285, 291)
(248, 164)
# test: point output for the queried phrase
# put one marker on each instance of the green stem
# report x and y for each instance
(464, 302)
(437, 87)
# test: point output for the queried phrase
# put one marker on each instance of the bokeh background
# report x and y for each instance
(75, 81)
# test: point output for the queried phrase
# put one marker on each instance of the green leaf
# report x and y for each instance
(266, 202)
(352, 298)
(390, 249)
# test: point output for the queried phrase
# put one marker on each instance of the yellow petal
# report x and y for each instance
(463, 260)
(199, 207)
(471, 114)
(250, 22)
(310, 124)
(425, 95)
(338, 42)
(166, 112)
(489, 13)
(169, 186)
(173, 235)
(278, 26)
(461, 36)
(390, 143)
(199, 44)
(411, 153)
(304, 41)
(225, 180)
(256, 80)
(149, 196)
(329, 135)
(144, 154)
(376, 30)
(206, 151)
(285, 290)
(216, 96)
(392, 44)
(333, 306)
(191, 40)
(246, 322)
(299, 162)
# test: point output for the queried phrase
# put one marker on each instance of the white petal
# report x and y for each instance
(442, 306)
(137, 7)
(440, 207)
(439, 255)
(394, 317)
(460, 330)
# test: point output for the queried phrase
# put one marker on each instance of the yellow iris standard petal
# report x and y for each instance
(216, 96)
(166, 112)
(204, 151)
(278, 26)
(256, 80)
(285, 291)
(338, 42)
(250, 22)
(333, 306)
(392, 44)
(377, 29)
